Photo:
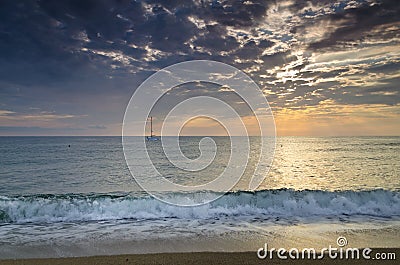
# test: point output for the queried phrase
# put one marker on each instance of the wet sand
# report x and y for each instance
(206, 258)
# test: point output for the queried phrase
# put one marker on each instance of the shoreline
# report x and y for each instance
(206, 258)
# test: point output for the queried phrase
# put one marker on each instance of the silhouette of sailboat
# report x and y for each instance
(152, 137)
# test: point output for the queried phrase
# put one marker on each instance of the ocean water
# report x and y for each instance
(75, 196)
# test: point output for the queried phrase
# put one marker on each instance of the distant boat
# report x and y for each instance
(152, 137)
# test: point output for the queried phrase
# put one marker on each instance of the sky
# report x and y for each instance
(327, 68)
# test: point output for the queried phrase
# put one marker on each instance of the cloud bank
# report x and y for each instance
(74, 64)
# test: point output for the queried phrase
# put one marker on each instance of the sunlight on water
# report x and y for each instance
(96, 164)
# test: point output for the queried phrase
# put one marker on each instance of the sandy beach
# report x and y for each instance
(194, 258)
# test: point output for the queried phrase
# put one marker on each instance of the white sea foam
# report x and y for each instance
(261, 204)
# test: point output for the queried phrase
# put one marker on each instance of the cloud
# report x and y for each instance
(35, 130)
(67, 56)
(361, 23)
(100, 127)
(42, 119)
(6, 112)
(332, 118)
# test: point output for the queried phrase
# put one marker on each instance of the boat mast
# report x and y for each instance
(151, 126)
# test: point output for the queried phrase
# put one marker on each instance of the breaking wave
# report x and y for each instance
(259, 204)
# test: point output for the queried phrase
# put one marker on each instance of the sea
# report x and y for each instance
(75, 196)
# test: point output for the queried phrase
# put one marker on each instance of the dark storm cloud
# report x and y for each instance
(359, 22)
(47, 39)
(68, 55)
